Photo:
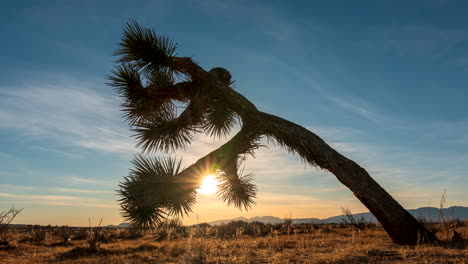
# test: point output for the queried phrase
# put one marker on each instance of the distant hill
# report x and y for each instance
(428, 213)
(263, 219)
(121, 225)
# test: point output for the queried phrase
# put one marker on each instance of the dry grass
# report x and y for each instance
(326, 244)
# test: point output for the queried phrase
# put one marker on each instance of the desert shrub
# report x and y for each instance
(64, 233)
(39, 236)
(9, 238)
(80, 234)
(96, 236)
(288, 226)
(309, 228)
(232, 229)
(202, 230)
(258, 229)
(178, 227)
(326, 229)
(360, 223)
(131, 233)
(432, 226)
(171, 228)
(456, 223)
(6, 217)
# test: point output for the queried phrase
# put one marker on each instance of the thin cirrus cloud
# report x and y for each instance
(67, 113)
(75, 180)
(12, 198)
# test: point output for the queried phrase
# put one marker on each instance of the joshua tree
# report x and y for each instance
(151, 80)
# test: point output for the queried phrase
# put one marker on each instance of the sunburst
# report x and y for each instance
(209, 185)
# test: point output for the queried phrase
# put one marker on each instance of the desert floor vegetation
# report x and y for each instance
(232, 243)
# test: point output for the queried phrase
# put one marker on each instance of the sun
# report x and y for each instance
(208, 185)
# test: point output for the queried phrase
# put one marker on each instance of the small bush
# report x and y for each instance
(171, 228)
(39, 236)
(96, 236)
(6, 217)
(202, 230)
(131, 233)
(232, 229)
(359, 224)
(80, 234)
(65, 234)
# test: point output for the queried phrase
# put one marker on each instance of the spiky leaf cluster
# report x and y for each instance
(150, 53)
(140, 103)
(219, 119)
(152, 191)
(148, 79)
(236, 190)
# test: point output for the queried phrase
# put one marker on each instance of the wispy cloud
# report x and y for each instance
(71, 190)
(56, 200)
(67, 112)
(58, 152)
(38, 197)
(354, 106)
(74, 180)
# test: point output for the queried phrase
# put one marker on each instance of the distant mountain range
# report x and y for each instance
(122, 225)
(428, 213)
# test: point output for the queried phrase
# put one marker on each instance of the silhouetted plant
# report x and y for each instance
(6, 217)
(151, 79)
(232, 229)
(96, 236)
(360, 223)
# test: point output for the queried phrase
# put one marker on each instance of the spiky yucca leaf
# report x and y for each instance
(236, 190)
(152, 191)
(146, 50)
(141, 103)
(219, 119)
(173, 133)
(162, 135)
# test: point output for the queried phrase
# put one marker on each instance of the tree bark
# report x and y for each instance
(400, 225)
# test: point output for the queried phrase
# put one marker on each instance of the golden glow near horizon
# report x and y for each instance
(209, 185)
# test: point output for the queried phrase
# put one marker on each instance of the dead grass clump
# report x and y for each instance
(130, 233)
(96, 236)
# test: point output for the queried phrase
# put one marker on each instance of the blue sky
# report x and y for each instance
(383, 82)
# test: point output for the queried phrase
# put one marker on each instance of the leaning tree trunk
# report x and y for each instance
(400, 225)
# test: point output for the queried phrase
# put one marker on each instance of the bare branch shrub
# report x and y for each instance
(360, 223)
(96, 236)
(6, 217)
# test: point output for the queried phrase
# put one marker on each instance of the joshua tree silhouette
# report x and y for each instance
(150, 78)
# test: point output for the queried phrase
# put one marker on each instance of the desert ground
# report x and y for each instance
(237, 242)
